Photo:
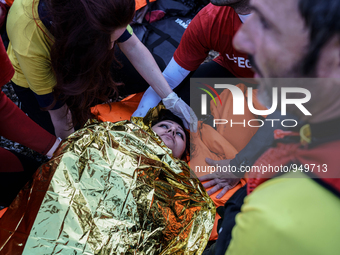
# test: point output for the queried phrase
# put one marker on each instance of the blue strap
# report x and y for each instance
(46, 100)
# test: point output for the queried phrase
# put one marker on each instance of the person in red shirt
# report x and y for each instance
(3, 12)
(16, 169)
(213, 28)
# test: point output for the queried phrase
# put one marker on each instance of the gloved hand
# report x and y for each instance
(149, 100)
(178, 107)
(50, 153)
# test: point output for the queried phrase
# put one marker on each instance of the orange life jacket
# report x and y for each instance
(9, 2)
(140, 3)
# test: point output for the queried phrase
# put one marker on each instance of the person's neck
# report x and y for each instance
(327, 128)
(323, 117)
(242, 11)
(241, 8)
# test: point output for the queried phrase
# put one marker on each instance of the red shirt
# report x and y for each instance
(6, 70)
(14, 124)
(213, 28)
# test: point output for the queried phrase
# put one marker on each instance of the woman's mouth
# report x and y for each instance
(170, 137)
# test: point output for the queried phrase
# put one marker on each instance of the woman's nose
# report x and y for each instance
(171, 129)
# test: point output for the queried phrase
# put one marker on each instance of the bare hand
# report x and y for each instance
(224, 180)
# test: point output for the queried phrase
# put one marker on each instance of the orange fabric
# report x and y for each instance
(139, 3)
(221, 202)
(9, 2)
(208, 143)
(142, 3)
(119, 110)
(237, 135)
(3, 211)
(223, 142)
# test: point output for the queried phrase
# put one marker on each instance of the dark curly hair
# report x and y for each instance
(322, 18)
(81, 55)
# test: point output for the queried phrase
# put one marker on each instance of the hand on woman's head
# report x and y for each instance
(172, 135)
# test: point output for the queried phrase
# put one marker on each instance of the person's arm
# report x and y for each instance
(145, 64)
(16, 126)
(62, 121)
(262, 140)
(3, 13)
(142, 60)
(191, 52)
(41, 79)
(174, 74)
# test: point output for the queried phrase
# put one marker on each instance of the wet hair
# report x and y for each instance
(322, 18)
(165, 114)
(81, 55)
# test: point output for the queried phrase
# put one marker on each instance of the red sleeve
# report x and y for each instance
(14, 124)
(194, 47)
(6, 70)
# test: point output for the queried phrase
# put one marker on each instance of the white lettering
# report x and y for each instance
(262, 112)
(256, 120)
(282, 123)
(297, 101)
(219, 122)
(238, 97)
(230, 57)
(272, 120)
(182, 23)
(238, 123)
(241, 62)
(238, 100)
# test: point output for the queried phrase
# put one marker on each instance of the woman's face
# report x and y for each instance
(116, 34)
(172, 135)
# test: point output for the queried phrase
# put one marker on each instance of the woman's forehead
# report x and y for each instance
(172, 122)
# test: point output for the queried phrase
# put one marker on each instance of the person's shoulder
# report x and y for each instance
(216, 18)
(290, 184)
(211, 10)
(281, 216)
(21, 19)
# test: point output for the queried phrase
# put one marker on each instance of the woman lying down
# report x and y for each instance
(113, 188)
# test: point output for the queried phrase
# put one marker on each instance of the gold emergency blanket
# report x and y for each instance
(112, 188)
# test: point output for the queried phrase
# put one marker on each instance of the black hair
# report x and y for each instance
(322, 18)
(81, 57)
(165, 114)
